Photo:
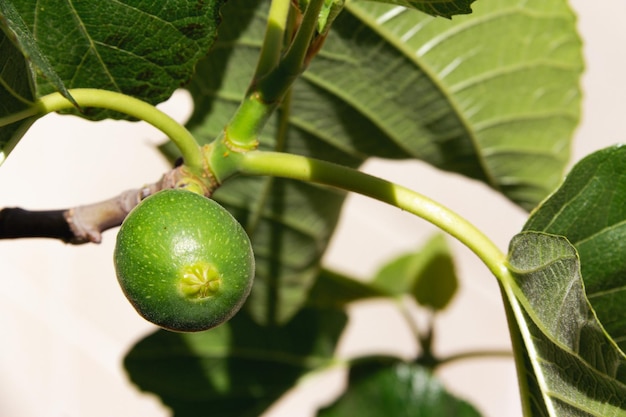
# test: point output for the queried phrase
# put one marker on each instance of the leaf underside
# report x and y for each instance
(589, 209)
(570, 270)
(14, 27)
(574, 367)
(493, 95)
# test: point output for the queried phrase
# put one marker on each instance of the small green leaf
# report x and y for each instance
(445, 8)
(237, 369)
(427, 274)
(574, 367)
(385, 387)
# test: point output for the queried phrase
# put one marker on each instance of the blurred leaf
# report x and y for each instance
(395, 277)
(445, 8)
(427, 274)
(387, 387)
(574, 367)
(589, 209)
(238, 369)
(334, 290)
(144, 49)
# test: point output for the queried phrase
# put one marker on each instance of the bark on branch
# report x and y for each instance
(81, 224)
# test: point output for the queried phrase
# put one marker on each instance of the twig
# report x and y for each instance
(81, 224)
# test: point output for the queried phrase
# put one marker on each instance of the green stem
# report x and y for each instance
(110, 100)
(519, 351)
(307, 169)
(273, 87)
(295, 56)
(274, 77)
(274, 37)
(242, 131)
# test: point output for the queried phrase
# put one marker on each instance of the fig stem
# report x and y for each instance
(308, 169)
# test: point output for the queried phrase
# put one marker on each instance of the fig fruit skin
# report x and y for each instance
(183, 261)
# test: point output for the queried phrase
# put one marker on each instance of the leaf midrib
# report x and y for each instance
(414, 57)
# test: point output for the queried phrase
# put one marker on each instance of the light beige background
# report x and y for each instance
(66, 325)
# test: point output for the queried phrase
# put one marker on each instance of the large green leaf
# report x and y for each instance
(143, 48)
(395, 83)
(589, 209)
(574, 367)
(386, 387)
(493, 95)
(238, 369)
(13, 25)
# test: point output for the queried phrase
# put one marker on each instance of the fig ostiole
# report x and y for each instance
(183, 261)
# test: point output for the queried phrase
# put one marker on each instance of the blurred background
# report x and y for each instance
(66, 325)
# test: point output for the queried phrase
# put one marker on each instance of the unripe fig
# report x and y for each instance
(183, 261)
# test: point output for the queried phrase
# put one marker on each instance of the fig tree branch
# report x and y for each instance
(85, 223)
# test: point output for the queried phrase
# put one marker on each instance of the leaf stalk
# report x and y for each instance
(327, 173)
(133, 107)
